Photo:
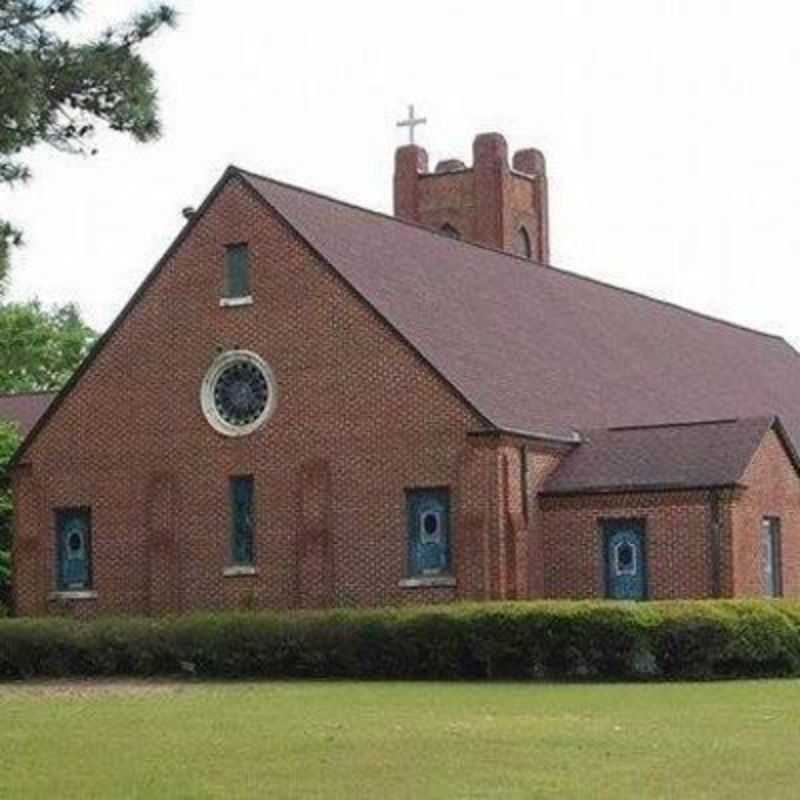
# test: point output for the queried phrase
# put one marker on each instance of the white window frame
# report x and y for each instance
(208, 403)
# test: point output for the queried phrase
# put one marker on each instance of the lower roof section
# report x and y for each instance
(24, 409)
(691, 455)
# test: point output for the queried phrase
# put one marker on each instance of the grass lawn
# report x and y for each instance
(399, 740)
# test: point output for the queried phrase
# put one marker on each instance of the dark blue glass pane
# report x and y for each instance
(770, 557)
(241, 393)
(428, 531)
(242, 513)
(73, 548)
(237, 271)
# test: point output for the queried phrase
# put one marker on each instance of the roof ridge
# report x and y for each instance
(560, 270)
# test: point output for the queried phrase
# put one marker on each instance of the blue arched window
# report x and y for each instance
(73, 550)
(428, 532)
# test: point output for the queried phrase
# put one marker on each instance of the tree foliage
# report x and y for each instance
(40, 348)
(9, 440)
(55, 91)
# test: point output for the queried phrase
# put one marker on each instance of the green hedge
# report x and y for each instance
(581, 640)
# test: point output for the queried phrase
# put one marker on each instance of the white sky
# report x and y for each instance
(671, 130)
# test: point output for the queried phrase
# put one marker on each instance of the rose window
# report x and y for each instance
(238, 393)
(241, 393)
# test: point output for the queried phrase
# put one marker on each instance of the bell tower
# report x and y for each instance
(492, 203)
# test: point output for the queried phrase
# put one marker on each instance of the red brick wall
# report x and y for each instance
(678, 544)
(360, 418)
(448, 198)
(773, 489)
(542, 462)
(506, 485)
(512, 573)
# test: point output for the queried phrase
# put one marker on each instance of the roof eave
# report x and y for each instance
(783, 436)
(640, 489)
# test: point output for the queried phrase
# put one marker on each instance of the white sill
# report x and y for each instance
(423, 581)
(81, 594)
(235, 572)
(232, 302)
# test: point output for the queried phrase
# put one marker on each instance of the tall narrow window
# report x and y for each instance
(428, 513)
(771, 578)
(241, 495)
(73, 549)
(237, 271)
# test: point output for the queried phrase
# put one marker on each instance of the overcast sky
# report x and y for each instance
(671, 130)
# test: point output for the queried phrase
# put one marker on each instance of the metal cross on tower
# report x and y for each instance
(411, 123)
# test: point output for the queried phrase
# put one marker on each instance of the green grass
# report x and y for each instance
(399, 740)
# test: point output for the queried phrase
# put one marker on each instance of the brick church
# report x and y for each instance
(309, 404)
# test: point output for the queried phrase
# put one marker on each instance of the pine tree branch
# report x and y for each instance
(54, 91)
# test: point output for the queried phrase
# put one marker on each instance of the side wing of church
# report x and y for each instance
(308, 404)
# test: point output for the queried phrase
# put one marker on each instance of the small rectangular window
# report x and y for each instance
(237, 271)
(771, 569)
(428, 520)
(73, 549)
(241, 498)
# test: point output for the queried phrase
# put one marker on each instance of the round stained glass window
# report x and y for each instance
(238, 393)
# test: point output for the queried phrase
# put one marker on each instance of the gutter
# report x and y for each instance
(638, 489)
(572, 439)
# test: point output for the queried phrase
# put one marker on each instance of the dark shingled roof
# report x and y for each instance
(693, 455)
(24, 409)
(538, 349)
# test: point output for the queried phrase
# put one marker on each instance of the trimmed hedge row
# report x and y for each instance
(538, 640)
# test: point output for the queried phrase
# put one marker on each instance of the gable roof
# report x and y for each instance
(25, 408)
(683, 456)
(532, 349)
(536, 348)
